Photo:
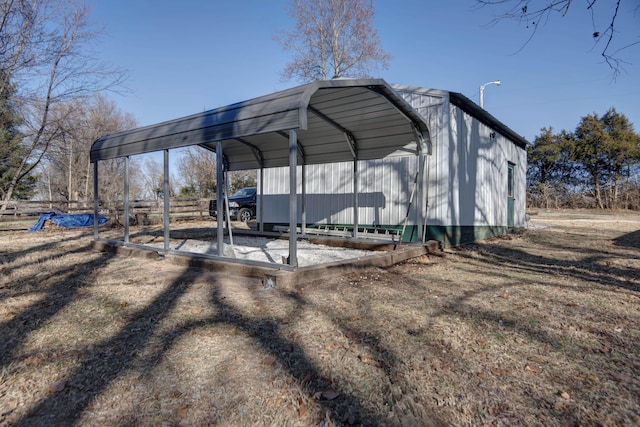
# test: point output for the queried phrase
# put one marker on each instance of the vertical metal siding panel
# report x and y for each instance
(322, 188)
(273, 192)
(366, 193)
(450, 162)
(392, 181)
(319, 187)
(443, 181)
(344, 209)
(486, 173)
(468, 146)
(433, 106)
(366, 196)
(438, 185)
(483, 164)
(315, 193)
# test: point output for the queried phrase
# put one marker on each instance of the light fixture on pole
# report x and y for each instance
(497, 83)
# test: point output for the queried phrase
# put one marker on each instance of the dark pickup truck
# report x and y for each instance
(242, 205)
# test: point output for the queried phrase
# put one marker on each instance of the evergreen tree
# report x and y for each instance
(603, 147)
(550, 168)
(589, 152)
(12, 150)
(623, 150)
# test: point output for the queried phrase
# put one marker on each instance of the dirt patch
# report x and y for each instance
(533, 329)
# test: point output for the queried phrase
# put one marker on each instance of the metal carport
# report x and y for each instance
(322, 122)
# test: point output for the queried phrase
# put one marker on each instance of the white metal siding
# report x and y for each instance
(385, 187)
(478, 173)
(465, 182)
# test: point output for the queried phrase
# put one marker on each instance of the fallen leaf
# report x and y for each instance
(498, 372)
(351, 335)
(302, 410)
(369, 360)
(57, 387)
(182, 412)
(269, 360)
(33, 360)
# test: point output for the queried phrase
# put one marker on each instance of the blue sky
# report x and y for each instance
(190, 55)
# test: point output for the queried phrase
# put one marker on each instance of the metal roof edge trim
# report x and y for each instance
(303, 93)
(419, 89)
(393, 95)
(459, 100)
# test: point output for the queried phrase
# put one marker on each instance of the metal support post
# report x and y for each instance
(355, 199)
(95, 201)
(303, 220)
(219, 207)
(126, 199)
(166, 200)
(293, 198)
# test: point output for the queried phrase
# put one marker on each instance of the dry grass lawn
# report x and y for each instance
(535, 329)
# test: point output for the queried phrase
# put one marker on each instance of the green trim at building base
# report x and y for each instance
(451, 235)
(448, 235)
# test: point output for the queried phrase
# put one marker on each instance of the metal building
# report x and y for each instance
(470, 185)
(360, 154)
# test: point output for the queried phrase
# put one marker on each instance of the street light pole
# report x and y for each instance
(497, 83)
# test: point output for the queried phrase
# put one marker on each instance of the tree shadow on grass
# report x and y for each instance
(629, 240)
(117, 355)
(68, 281)
(594, 267)
(9, 256)
(291, 357)
(107, 361)
(533, 335)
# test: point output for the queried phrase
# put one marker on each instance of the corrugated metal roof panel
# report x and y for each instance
(370, 109)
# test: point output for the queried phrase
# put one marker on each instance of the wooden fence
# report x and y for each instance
(22, 214)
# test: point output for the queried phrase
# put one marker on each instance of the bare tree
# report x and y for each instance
(197, 167)
(241, 179)
(44, 52)
(66, 165)
(153, 179)
(332, 38)
(533, 13)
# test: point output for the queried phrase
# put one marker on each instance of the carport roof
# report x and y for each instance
(336, 120)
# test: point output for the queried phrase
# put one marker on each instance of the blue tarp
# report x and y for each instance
(67, 220)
